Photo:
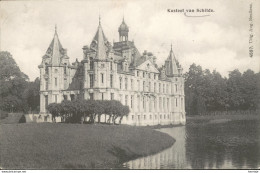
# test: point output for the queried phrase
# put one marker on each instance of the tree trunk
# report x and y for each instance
(99, 118)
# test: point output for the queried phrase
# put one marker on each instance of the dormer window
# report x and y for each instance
(65, 68)
(46, 69)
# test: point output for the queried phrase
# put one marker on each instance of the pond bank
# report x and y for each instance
(76, 146)
(221, 118)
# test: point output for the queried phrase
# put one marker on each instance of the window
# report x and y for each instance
(159, 87)
(126, 100)
(176, 87)
(154, 87)
(144, 86)
(120, 98)
(150, 117)
(160, 116)
(46, 84)
(120, 82)
(56, 98)
(56, 70)
(176, 102)
(102, 96)
(65, 97)
(168, 116)
(155, 116)
(91, 95)
(138, 102)
(111, 81)
(91, 64)
(154, 76)
(164, 116)
(46, 69)
(155, 104)
(168, 103)
(72, 97)
(137, 73)
(132, 100)
(112, 96)
(46, 101)
(65, 69)
(138, 84)
(163, 103)
(133, 117)
(56, 82)
(126, 83)
(149, 75)
(132, 86)
(138, 117)
(150, 105)
(149, 86)
(111, 65)
(91, 77)
(143, 74)
(163, 88)
(144, 117)
(167, 88)
(144, 103)
(160, 103)
(102, 78)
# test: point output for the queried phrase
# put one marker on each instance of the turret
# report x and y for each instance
(123, 31)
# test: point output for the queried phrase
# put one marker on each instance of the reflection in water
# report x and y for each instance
(231, 145)
(173, 157)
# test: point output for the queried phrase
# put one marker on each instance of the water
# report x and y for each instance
(201, 145)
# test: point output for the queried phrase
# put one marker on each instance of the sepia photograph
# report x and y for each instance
(129, 85)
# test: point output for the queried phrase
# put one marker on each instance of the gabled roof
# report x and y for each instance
(147, 66)
(55, 50)
(171, 64)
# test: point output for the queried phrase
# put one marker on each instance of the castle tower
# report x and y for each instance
(173, 71)
(53, 73)
(100, 66)
(123, 31)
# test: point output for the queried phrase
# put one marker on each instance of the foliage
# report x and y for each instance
(16, 92)
(207, 91)
(78, 110)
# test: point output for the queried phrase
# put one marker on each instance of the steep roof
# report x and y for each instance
(171, 64)
(55, 49)
(99, 43)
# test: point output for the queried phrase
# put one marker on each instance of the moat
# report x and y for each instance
(203, 145)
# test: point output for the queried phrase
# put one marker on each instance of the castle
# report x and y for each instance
(107, 72)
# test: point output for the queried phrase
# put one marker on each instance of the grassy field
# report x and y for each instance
(76, 146)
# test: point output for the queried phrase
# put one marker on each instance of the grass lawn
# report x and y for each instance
(76, 146)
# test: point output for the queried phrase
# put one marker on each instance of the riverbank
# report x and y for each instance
(76, 146)
(221, 118)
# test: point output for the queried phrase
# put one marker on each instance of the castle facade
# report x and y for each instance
(118, 71)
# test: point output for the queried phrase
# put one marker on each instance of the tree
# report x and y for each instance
(55, 110)
(12, 84)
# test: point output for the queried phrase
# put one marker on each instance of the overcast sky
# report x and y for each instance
(219, 41)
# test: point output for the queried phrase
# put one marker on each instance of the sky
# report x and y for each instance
(219, 41)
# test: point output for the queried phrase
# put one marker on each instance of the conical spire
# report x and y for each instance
(55, 49)
(171, 64)
(100, 40)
